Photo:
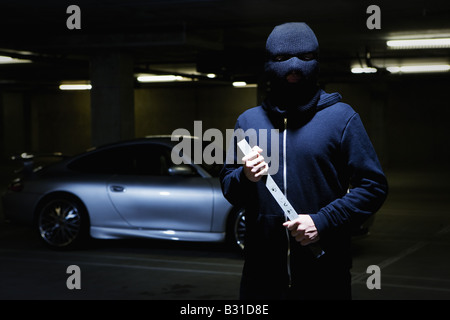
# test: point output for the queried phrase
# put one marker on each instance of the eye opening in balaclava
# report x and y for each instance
(292, 65)
(307, 56)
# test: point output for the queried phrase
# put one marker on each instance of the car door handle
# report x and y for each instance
(117, 188)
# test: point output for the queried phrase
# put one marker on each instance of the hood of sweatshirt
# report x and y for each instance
(302, 113)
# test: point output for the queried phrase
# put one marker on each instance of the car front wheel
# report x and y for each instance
(62, 222)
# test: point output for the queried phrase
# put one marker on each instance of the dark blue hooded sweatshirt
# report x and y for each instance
(328, 169)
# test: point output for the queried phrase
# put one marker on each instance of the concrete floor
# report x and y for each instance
(409, 241)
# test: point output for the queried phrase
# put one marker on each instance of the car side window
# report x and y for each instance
(138, 159)
(100, 161)
(151, 160)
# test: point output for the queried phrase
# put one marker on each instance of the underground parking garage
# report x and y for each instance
(79, 78)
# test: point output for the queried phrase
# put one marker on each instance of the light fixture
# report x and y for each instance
(161, 78)
(364, 70)
(239, 84)
(5, 59)
(8, 60)
(243, 84)
(425, 43)
(211, 75)
(76, 85)
(419, 68)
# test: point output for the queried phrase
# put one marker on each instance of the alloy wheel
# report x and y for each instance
(59, 222)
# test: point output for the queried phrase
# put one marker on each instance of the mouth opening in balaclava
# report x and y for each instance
(292, 65)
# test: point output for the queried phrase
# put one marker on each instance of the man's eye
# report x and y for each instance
(281, 57)
(304, 56)
(307, 56)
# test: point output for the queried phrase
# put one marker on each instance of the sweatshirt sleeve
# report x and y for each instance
(368, 182)
(234, 183)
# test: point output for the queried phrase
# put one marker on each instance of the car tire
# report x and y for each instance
(236, 229)
(62, 222)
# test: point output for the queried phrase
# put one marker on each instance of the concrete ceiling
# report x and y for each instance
(226, 37)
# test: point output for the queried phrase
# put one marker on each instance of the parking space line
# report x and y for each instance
(116, 265)
(406, 286)
(389, 261)
(127, 258)
(168, 261)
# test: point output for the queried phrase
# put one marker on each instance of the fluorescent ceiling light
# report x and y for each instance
(6, 60)
(243, 84)
(419, 43)
(364, 70)
(239, 84)
(75, 87)
(419, 68)
(161, 78)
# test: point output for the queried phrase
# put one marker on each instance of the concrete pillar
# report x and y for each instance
(2, 131)
(378, 125)
(27, 123)
(15, 124)
(112, 98)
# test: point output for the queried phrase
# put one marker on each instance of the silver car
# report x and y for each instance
(123, 190)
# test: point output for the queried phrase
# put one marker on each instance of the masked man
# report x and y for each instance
(328, 170)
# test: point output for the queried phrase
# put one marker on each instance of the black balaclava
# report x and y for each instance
(292, 69)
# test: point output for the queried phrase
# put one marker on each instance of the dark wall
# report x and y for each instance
(406, 117)
(418, 123)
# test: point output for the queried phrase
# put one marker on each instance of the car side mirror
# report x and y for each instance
(181, 170)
